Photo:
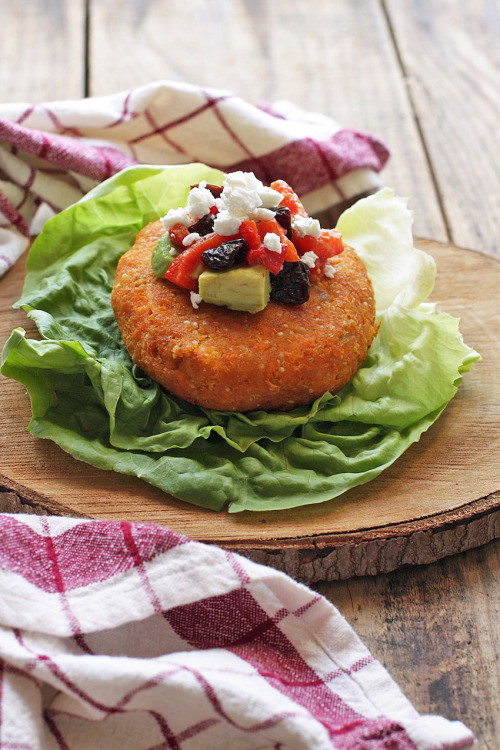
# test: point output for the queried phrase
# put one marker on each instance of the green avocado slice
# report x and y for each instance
(245, 288)
(163, 254)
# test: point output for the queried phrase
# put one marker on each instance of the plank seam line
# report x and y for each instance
(86, 49)
(418, 124)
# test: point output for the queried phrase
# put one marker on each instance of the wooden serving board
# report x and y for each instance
(441, 497)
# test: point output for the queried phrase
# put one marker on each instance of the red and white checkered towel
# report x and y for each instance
(51, 154)
(131, 637)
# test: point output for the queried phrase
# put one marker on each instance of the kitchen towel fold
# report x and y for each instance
(51, 154)
(131, 637)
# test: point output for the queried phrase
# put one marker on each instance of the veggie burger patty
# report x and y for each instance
(280, 357)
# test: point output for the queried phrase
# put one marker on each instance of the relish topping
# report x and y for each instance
(244, 223)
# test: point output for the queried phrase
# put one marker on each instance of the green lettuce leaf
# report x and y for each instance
(89, 397)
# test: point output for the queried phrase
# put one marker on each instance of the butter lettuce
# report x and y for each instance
(89, 397)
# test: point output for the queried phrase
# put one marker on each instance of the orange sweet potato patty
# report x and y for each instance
(283, 356)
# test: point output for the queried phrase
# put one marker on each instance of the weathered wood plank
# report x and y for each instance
(335, 58)
(436, 628)
(42, 50)
(450, 53)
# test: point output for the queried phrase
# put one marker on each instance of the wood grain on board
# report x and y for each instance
(442, 496)
(336, 58)
(451, 62)
(42, 50)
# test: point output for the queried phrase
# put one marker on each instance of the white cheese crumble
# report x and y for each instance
(270, 198)
(329, 271)
(239, 196)
(196, 299)
(309, 259)
(226, 224)
(273, 242)
(190, 238)
(176, 216)
(246, 197)
(200, 201)
(263, 213)
(306, 225)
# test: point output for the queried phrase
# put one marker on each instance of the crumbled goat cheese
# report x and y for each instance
(238, 201)
(263, 213)
(270, 198)
(176, 216)
(226, 224)
(200, 201)
(196, 299)
(309, 259)
(244, 196)
(190, 238)
(306, 225)
(272, 242)
(329, 271)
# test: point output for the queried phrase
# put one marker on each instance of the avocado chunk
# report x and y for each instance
(163, 254)
(244, 288)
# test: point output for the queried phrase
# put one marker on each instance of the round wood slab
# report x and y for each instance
(441, 497)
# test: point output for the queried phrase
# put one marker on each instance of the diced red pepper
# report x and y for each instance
(291, 251)
(177, 234)
(186, 267)
(269, 258)
(271, 225)
(290, 198)
(264, 226)
(248, 231)
(329, 243)
(304, 244)
(261, 255)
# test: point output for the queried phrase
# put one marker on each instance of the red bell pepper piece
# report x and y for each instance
(187, 266)
(264, 226)
(304, 244)
(248, 231)
(177, 233)
(260, 255)
(290, 198)
(291, 252)
(328, 244)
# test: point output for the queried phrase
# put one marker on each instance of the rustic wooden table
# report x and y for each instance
(423, 75)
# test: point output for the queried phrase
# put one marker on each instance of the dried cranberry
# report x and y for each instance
(225, 256)
(283, 216)
(203, 226)
(291, 285)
